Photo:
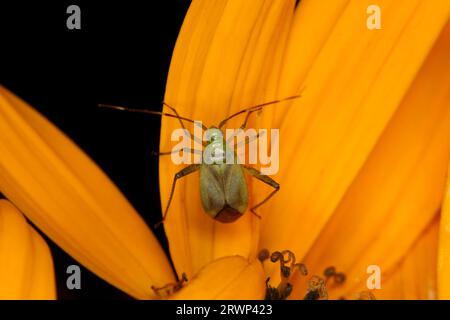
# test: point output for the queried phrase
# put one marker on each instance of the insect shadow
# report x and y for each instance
(223, 189)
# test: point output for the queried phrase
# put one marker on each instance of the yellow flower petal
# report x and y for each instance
(227, 278)
(306, 39)
(26, 268)
(221, 63)
(353, 85)
(444, 246)
(415, 276)
(70, 199)
(399, 189)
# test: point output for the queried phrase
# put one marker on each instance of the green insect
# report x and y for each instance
(223, 189)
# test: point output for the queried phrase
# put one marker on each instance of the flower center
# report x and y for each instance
(317, 286)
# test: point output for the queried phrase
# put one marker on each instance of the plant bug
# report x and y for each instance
(223, 189)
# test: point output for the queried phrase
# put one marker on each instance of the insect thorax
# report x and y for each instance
(217, 151)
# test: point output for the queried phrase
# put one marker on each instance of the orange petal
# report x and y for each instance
(26, 268)
(399, 189)
(415, 276)
(70, 199)
(444, 246)
(354, 83)
(227, 278)
(306, 39)
(221, 61)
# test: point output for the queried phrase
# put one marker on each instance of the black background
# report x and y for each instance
(120, 56)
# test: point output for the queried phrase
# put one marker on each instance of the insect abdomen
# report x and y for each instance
(223, 191)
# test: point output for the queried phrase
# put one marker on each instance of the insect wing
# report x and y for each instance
(236, 194)
(223, 186)
(211, 189)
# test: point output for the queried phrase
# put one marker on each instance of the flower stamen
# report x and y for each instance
(317, 289)
(263, 255)
(366, 295)
(363, 295)
(330, 273)
(317, 286)
(288, 266)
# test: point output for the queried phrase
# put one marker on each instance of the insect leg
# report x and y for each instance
(180, 119)
(266, 179)
(176, 113)
(245, 142)
(255, 108)
(247, 116)
(180, 174)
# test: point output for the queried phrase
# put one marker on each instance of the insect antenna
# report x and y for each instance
(176, 115)
(257, 107)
